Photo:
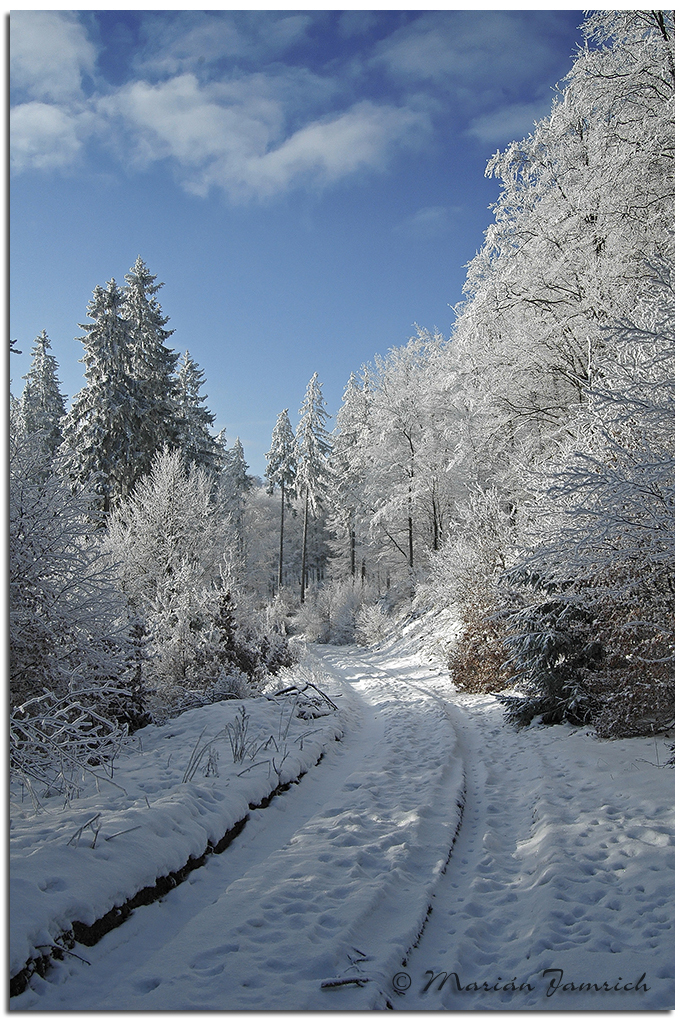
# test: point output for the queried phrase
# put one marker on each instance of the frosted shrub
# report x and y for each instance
(330, 617)
(278, 612)
(231, 684)
(372, 625)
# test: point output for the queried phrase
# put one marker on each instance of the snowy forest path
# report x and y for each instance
(310, 889)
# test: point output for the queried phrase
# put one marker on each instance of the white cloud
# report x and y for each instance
(234, 135)
(480, 56)
(430, 221)
(190, 123)
(49, 51)
(509, 122)
(44, 137)
(184, 40)
(255, 135)
(361, 138)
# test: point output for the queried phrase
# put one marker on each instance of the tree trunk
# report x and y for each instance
(304, 545)
(353, 567)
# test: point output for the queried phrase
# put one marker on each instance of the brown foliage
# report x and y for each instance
(477, 661)
(637, 699)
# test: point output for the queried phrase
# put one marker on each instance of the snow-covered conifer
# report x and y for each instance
(109, 438)
(152, 362)
(41, 406)
(281, 471)
(235, 475)
(313, 448)
(195, 439)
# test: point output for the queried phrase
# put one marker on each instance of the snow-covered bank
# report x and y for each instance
(153, 816)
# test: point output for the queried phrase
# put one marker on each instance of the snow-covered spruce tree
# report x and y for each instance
(281, 471)
(593, 634)
(66, 613)
(41, 406)
(195, 420)
(236, 480)
(236, 483)
(109, 438)
(152, 363)
(313, 449)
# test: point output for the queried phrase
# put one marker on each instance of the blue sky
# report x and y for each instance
(307, 184)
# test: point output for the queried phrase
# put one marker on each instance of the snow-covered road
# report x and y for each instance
(562, 863)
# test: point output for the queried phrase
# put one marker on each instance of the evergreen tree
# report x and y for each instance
(109, 438)
(313, 447)
(281, 471)
(237, 479)
(152, 362)
(236, 483)
(41, 406)
(195, 440)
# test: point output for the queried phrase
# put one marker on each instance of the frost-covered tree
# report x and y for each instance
(172, 543)
(152, 363)
(169, 540)
(594, 603)
(195, 420)
(236, 483)
(586, 202)
(313, 449)
(408, 452)
(562, 382)
(236, 478)
(41, 406)
(281, 472)
(66, 613)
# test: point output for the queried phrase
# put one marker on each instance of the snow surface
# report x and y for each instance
(563, 861)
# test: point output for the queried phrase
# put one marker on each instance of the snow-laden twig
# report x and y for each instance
(53, 741)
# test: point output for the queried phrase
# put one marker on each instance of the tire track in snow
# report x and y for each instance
(549, 870)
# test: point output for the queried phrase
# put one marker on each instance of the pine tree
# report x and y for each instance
(195, 440)
(313, 447)
(41, 406)
(281, 471)
(152, 362)
(109, 439)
